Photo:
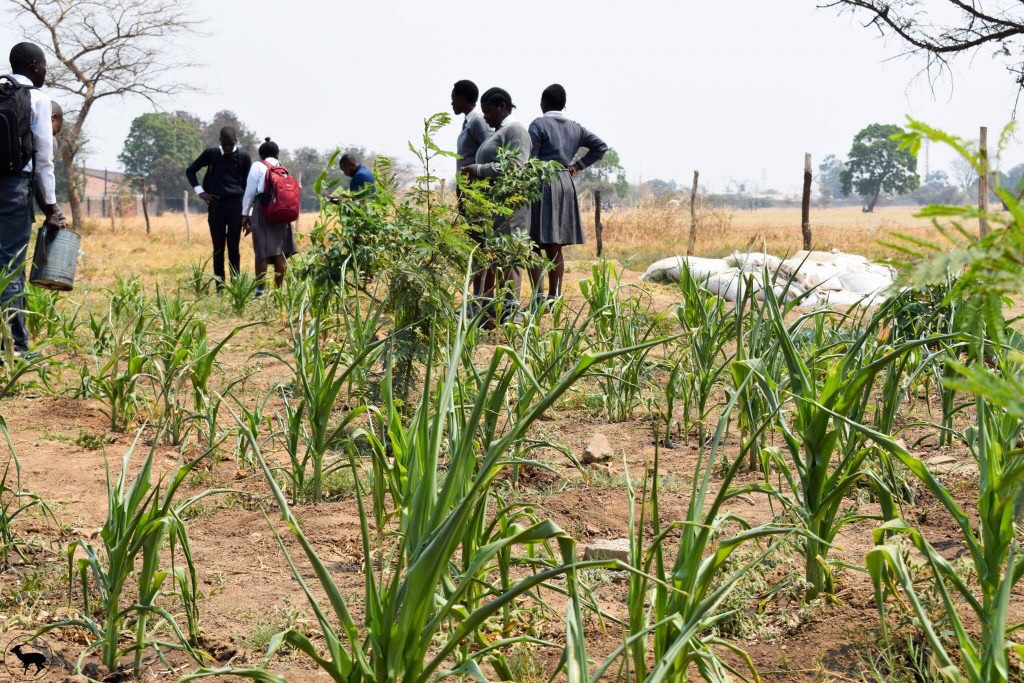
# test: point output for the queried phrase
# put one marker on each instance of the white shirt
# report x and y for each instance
(255, 182)
(42, 139)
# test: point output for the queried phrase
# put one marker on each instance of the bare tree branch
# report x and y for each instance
(102, 49)
(942, 29)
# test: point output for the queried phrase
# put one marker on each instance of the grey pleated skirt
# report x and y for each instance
(270, 239)
(555, 219)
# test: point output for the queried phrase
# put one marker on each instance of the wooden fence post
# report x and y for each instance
(188, 229)
(693, 216)
(111, 204)
(598, 229)
(983, 181)
(145, 205)
(805, 204)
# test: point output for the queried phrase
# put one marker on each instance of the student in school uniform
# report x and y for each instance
(26, 165)
(272, 242)
(497, 107)
(555, 220)
(474, 131)
(222, 189)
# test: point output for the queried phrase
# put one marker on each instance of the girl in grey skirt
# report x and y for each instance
(496, 105)
(555, 219)
(272, 242)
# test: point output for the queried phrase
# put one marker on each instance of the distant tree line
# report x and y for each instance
(161, 144)
(876, 168)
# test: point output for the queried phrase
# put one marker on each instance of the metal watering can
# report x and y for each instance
(54, 264)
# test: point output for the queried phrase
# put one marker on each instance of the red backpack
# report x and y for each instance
(282, 195)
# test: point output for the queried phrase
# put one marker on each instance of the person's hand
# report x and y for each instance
(573, 170)
(246, 225)
(208, 198)
(55, 222)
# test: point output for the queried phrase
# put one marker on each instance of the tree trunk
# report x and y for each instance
(983, 182)
(691, 242)
(68, 156)
(805, 204)
(874, 200)
(145, 205)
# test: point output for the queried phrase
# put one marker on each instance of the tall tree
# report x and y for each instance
(101, 49)
(606, 175)
(156, 150)
(942, 29)
(830, 183)
(876, 164)
(248, 141)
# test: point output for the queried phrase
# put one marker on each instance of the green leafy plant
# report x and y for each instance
(990, 272)
(140, 521)
(239, 290)
(15, 501)
(673, 609)
(420, 610)
(818, 480)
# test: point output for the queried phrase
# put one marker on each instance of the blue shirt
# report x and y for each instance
(362, 176)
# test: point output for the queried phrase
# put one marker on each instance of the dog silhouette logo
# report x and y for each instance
(26, 658)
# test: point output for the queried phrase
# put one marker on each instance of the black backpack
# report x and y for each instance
(16, 149)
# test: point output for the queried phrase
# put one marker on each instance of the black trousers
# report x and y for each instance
(225, 219)
(15, 230)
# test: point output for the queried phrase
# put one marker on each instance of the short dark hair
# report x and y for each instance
(269, 148)
(230, 132)
(348, 158)
(495, 96)
(554, 95)
(466, 89)
(23, 54)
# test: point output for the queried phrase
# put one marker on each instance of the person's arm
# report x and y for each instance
(596, 149)
(517, 139)
(479, 130)
(536, 137)
(252, 181)
(202, 161)
(42, 140)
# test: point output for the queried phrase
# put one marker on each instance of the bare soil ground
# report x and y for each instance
(248, 591)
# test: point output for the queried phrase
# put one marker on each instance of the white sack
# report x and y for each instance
(668, 269)
(864, 282)
(754, 262)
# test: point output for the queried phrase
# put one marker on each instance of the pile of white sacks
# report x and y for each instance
(831, 278)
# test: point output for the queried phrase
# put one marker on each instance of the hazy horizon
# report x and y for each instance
(739, 90)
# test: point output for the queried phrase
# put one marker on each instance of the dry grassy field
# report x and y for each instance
(633, 236)
(645, 233)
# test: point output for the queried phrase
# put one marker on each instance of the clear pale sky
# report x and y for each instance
(739, 89)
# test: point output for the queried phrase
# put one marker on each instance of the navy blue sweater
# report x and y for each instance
(225, 173)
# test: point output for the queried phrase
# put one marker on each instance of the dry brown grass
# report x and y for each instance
(648, 232)
(640, 234)
(161, 256)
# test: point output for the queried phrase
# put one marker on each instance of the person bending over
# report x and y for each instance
(360, 175)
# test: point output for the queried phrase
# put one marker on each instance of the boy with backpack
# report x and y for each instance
(269, 207)
(26, 166)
